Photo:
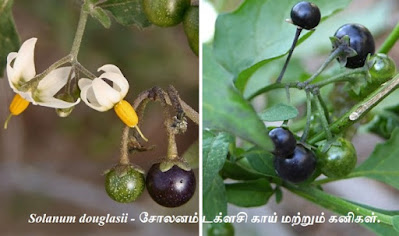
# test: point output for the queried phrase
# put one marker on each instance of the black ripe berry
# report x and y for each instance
(305, 15)
(284, 142)
(361, 40)
(171, 188)
(298, 167)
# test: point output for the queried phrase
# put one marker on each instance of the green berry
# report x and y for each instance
(165, 13)
(339, 160)
(124, 183)
(191, 27)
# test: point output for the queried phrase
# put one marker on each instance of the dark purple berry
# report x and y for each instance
(305, 15)
(298, 167)
(284, 141)
(171, 188)
(361, 40)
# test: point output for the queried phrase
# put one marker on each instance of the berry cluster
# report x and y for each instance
(171, 188)
(292, 161)
(167, 13)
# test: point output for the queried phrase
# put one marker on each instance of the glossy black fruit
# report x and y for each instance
(361, 40)
(171, 188)
(298, 167)
(165, 13)
(124, 183)
(284, 142)
(305, 15)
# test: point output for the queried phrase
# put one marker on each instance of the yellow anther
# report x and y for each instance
(128, 115)
(17, 106)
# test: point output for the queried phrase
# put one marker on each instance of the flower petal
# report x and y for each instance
(83, 82)
(105, 94)
(24, 65)
(87, 95)
(27, 96)
(110, 68)
(54, 81)
(57, 103)
(119, 82)
(10, 70)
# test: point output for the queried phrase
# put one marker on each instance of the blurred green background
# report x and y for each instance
(54, 165)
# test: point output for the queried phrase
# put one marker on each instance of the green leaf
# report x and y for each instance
(262, 162)
(278, 194)
(383, 163)
(99, 14)
(257, 31)
(191, 155)
(214, 153)
(279, 112)
(239, 172)
(214, 199)
(395, 222)
(127, 12)
(9, 40)
(225, 109)
(249, 193)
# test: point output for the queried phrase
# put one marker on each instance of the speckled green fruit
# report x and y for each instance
(165, 13)
(191, 27)
(383, 69)
(339, 160)
(124, 183)
(223, 229)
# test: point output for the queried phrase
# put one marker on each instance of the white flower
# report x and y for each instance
(100, 95)
(108, 91)
(21, 69)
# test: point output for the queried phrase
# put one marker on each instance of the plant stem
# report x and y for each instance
(84, 70)
(345, 76)
(329, 59)
(28, 85)
(323, 117)
(189, 112)
(272, 87)
(124, 159)
(336, 204)
(308, 116)
(360, 109)
(79, 33)
(297, 33)
(324, 106)
(172, 146)
(390, 41)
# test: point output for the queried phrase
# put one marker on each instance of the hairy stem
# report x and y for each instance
(84, 70)
(272, 87)
(28, 85)
(323, 117)
(359, 110)
(79, 32)
(345, 76)
(329, 59)
(308, 116)
(124, 159)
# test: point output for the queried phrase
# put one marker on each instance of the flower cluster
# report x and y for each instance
(102, 93)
